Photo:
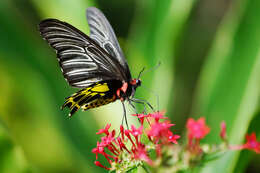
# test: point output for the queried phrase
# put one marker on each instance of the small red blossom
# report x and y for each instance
(160, 132)
(252, 143)
(106, 140)
(158, 116)
(105, 130)
(136, 132)
(141, 117)
(140, 153)
(172, 138)
(98, 150)
(197, 129)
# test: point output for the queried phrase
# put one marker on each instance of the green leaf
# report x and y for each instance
(152, 40)
(229, 84)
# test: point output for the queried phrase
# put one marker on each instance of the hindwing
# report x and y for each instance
(94, 96)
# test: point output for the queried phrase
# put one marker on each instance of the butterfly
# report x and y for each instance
(94, 63)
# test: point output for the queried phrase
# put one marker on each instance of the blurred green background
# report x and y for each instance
(210, 65)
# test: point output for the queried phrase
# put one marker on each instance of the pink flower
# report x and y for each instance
(107, 140)
(141, 117)
(158, 116)
(252, 143)
(197, 129)
(160, 132)
(104, 130)
(98, 150)
(136, 132)
(172, 138)
(140, 153)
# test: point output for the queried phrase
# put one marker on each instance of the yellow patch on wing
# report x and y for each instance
(100, 88)
(90, 97)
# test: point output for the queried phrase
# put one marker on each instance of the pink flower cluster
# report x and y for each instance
(197, 130)
(129, 147)
(113, 148)
(159, 132)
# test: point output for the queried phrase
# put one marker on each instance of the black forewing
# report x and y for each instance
(82, 61)
(102, 33)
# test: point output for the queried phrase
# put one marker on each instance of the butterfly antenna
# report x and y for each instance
(124, 117)
(139, 75)
(143, 71)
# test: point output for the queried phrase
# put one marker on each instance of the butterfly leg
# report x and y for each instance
(143, 102)
(133, 106)
(124, 117)
(123, 120)
(144, 111)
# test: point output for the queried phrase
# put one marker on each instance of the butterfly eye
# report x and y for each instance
(136, 82)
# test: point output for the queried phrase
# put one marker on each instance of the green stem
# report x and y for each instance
(146, 169)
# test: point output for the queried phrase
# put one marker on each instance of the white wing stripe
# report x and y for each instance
(68, 45)
(62, 35)
(76, 60)
(78, 63)
(80, 71)
(75, 54)
(59, 40)
(84, 82)
(58, 29)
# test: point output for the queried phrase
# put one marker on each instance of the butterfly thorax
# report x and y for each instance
(127, 89)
